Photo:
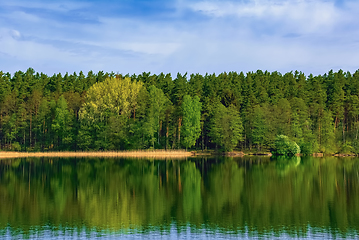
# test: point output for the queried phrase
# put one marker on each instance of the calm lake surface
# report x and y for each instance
(69, 198)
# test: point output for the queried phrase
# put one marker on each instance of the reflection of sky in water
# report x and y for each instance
(174, 232)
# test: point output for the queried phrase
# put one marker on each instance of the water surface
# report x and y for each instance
(180, 199)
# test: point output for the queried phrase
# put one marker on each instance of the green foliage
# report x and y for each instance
(285, 164)
(284, 146)
(348, 148)
(191, 120)
(62, 124)
(15, 146)
(109, 105)
(114, 111)
(113, 96)
(308, 147)
(155, 113)
(85, 141)
(259, 127)
(226, 127)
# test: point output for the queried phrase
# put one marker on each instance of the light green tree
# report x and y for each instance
(112, 96)
(191, 120)
(108, 105)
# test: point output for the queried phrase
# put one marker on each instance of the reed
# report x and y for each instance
(128, 154)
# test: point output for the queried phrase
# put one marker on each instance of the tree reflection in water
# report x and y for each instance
(251, 195)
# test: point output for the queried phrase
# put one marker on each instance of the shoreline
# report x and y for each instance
(160, 154)
(130, 154)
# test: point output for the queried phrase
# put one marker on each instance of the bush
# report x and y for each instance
(284, 146)
(347, 148)
(15, 146)
(355, 146)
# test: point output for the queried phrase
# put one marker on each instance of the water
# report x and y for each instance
(225, 198)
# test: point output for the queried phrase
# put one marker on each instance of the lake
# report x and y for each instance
(214, 198)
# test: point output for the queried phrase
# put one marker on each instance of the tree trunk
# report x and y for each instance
(202, 134)
(343, 129)
(43, 137)
(336, 122)
(174, 139)
(179, 131)
(30, 129)
(0, 128)
(159, 132)
(167, 137)
(319, 135)
(25, 138)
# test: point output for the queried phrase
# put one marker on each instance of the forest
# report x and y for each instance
(224, 112)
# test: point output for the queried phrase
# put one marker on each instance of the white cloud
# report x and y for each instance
(15, 33)
(304, 15)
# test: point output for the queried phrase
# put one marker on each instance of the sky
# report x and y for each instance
(170, 36)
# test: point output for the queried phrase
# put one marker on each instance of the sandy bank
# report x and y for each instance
(134, 154)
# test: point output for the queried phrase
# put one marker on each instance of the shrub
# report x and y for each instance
(347, 148)
(284, 146)
(15, 146)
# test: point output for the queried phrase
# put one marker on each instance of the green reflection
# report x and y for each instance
(286, 164)
(259, 195)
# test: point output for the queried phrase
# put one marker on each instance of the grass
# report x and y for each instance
(130, 154)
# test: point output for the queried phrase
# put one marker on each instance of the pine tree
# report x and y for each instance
(226, 127)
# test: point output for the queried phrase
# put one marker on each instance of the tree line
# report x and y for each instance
(109, 111)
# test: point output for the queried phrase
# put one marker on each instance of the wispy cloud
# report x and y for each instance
(61, 6)
(302, 15)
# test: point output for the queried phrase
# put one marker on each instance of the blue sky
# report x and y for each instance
(170, 36)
